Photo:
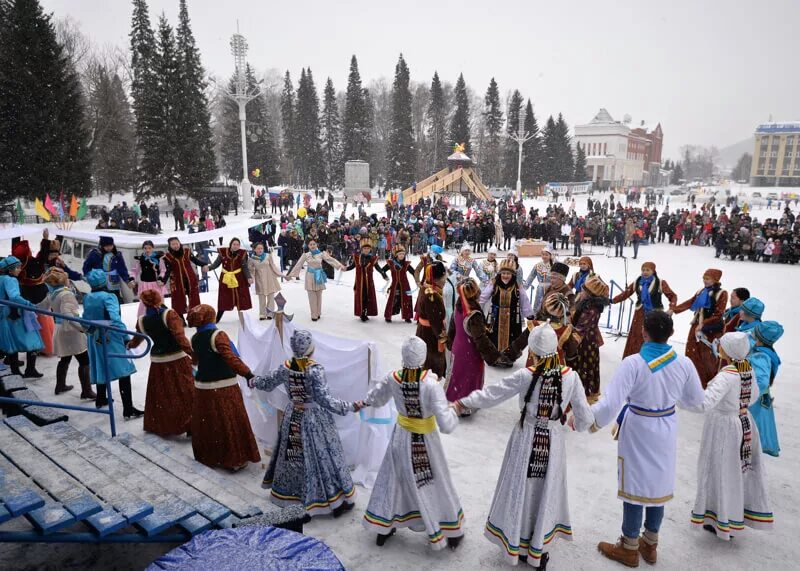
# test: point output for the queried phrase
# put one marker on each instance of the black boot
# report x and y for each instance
(452, 542)
(61, 378)
(128, 410)
(543, 561)
(381, 540)
(12, 361)
(86, 384)
(30, 368)
(101, 398)
(345, 507)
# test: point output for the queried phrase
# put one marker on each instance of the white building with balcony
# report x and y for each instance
(614, 156)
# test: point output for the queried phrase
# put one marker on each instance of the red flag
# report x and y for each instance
(48, 204)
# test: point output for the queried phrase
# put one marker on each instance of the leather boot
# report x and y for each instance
(30, 368)
(61, 378)
(125, 392)
(101, 398)
(648, 544)
(625, 551)
(86, 383)
(13, 362)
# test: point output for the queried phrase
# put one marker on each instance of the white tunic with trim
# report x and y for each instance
(396, 500)
(648, 438)
(727, 497)
(528, 513)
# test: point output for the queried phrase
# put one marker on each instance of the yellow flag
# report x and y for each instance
(41, 211)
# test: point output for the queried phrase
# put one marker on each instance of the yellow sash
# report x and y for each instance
(417, 425)
(229, 278)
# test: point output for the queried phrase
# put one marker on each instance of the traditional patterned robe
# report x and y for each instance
(708, 325)
(510, 307)
(658, 288)
(364, 300)
(399, 300)
(432, 329)
(234, 289)
(587, 355)
(182, 279)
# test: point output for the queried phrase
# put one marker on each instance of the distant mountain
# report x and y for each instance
(729, 155)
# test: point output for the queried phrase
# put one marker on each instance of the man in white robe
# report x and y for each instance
(649, 385)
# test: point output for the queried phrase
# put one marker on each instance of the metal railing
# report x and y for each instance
(624, 308)
(103, 326)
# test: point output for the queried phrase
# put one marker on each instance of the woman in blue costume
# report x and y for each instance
(102, 305)
(19, 330)
(765, 363)
(750, 315)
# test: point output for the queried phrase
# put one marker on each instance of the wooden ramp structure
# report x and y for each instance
(61, 484)
(459, 177)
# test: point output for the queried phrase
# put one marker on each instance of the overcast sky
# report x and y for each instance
(709, 71)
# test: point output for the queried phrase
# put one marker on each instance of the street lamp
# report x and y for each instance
(521, 138)
(242, 97)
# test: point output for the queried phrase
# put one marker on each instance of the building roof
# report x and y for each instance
(459, 156)
(776, 127)
(603, 116)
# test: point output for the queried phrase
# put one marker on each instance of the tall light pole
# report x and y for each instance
(242, 97)
(521, 138)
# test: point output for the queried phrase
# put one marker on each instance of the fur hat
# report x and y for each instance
(366, 243)
(55, 247)
(542, 340)
(508, 266)
(714, 274)
(588, 261)
(754, 307)
(201, 315)
(151, 298)
(302, 343)
(106, 241)
(560, 269)
(556, 304)
(21, 249)
(56, 277)
(735, 344)
(768, 332)
(96, 278)
(649, 266)
(413, 353)
(596, 286)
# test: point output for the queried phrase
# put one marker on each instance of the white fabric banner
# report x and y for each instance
(350, 367)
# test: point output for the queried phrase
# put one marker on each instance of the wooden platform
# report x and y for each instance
(61, 484)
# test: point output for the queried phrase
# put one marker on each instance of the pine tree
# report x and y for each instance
(460, 123)
(331, 139)
(195, 166)
(44, 144)
(549, 152)
(401, 154)
(580, 164)
(436, 117)
(355, 127)
(565, 161)
(511, 150)
(677, 173)
(531, 151)
(310, 167)
(114, 142)
(491, 166)
(287, 124)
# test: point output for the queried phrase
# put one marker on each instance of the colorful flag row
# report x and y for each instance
(48, 210)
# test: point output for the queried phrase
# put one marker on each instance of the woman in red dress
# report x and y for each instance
(183, 282)
(234, 283)
(399, 297)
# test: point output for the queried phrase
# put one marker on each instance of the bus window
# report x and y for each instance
(66, 247)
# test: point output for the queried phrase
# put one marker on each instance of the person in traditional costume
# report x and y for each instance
(105, 257)
(650, 292)
(19, 330)
(365, 303)
(750, 316)
(431, 325)
(540, 273)
(413, 488)
(50, 256)
(33, 288)
(555, 313)
(591, 301)
(585, 271)
(520, 274)
(510, 307)
(399, 300)
(731, 480)
(102, 305)
(732, 315)
(491, 265)
(315, 275)
(69, 339)
(530, 507)
(464, 264)
(426, 260)
(708, 305)
(766, 363)
(182, 277)
(641, 397)
(265, 274)
(148, 272)
(170, 382)
(469, 342)
(558, 285)
(235, 281)
(308, 465)
(221, 432)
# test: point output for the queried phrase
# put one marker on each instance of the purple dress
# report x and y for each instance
(468, 366)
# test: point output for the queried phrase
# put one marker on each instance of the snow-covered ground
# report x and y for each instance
(475, 450)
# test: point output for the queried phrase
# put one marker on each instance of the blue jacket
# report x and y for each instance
(103, 306)
(94, 261)
(15, 337)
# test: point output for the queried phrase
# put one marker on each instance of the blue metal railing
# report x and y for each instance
(103, 326)
(624, 308)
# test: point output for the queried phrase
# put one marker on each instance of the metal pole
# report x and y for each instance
(246, 197)
(519, 170)
(107, 387)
